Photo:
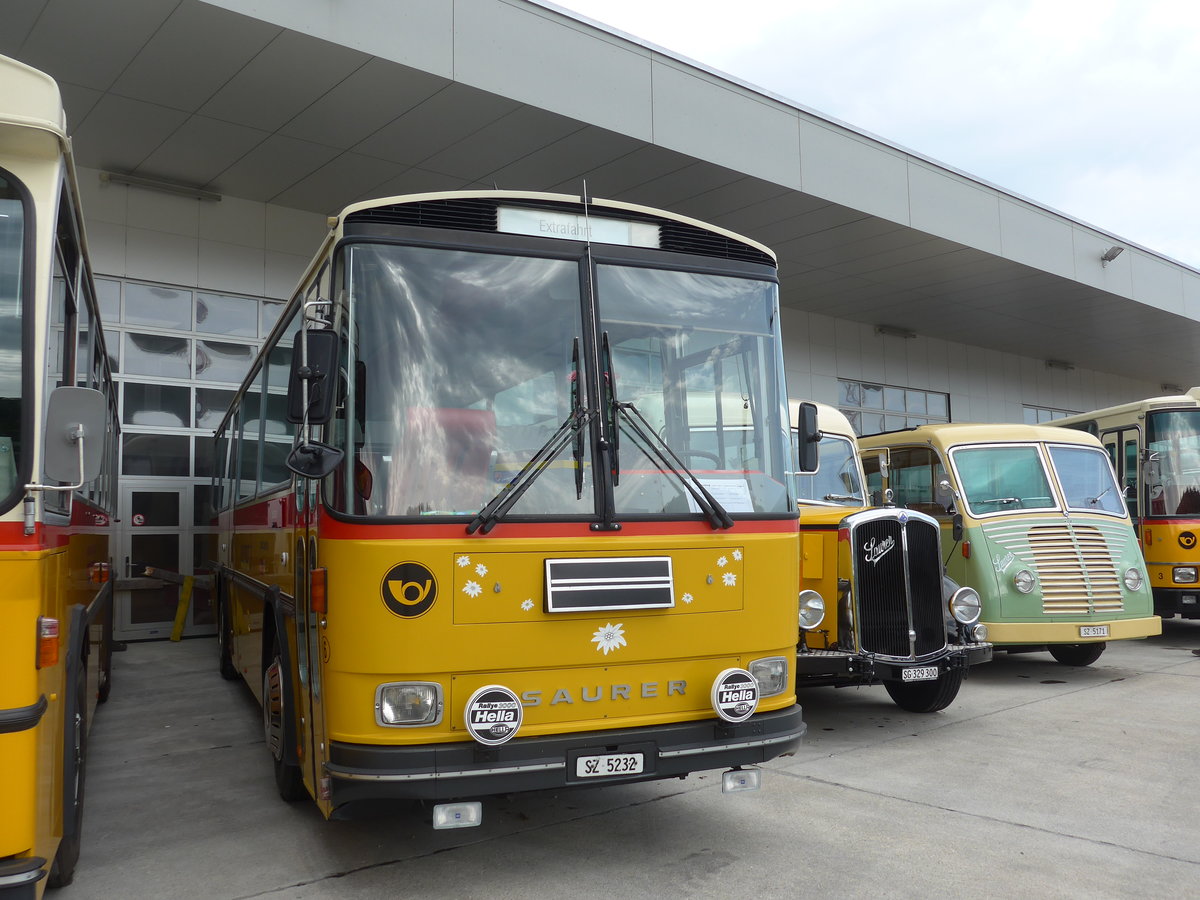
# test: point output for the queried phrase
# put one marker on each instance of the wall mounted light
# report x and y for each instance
(894, 331)
(166, 187)
(1110, 254)
(1060, 364)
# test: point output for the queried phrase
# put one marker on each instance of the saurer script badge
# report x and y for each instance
(408, 589)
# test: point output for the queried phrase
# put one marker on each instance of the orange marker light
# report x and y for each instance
(318, 601)
(47, 642)
(966, 549)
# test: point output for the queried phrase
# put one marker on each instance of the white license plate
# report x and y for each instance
(1093, 631)
(919, 673)
(608, 765)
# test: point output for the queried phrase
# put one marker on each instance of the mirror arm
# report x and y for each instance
(29, 508)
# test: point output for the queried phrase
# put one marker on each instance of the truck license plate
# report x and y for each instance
(919, 673)
(608, 764)
(1093, 631)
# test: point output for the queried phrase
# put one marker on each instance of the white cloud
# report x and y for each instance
(1086, 107)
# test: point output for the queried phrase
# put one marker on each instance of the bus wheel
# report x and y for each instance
(926, 696)
(1077, 654)
(62, 870)
(287, 777)
(225, 640)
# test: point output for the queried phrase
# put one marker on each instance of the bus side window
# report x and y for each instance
(914, 476)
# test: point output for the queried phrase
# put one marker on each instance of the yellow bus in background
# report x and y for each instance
(1032, 518)
(470, 541)
(876, 607)
(1154, 446)
(58, 431)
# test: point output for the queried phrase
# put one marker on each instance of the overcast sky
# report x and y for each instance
(1090, 107)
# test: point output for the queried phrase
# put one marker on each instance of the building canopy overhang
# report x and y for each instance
(315, 104)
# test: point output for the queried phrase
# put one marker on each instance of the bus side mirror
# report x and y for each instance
(75, 426)
(808, 435)
(317, 368)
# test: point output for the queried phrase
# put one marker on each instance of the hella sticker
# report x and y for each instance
(735, 695)
(493, 714)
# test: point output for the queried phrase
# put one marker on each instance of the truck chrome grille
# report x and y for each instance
(899, 608)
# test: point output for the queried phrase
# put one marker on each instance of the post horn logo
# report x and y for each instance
(408, 589)
(1187, 540)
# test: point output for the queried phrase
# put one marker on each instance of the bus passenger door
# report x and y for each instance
(1121, 445)
(311, 724)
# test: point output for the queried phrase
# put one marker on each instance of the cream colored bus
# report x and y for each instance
(1154, 446)
(1032, 518)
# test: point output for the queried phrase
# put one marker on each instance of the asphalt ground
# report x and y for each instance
(1040, 780)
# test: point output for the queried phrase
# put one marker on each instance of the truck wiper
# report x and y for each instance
(573, 427)
(662, 453)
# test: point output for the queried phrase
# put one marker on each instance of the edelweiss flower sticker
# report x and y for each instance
(610, 637)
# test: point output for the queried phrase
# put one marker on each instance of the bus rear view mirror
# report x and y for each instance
(809, 436)
(316, 368)
(75, 426)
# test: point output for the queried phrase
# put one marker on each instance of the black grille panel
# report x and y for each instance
(883, 590)
(463, 214)
(685, 238)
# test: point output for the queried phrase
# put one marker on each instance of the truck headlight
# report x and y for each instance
(1184, 574)
(812, 610)
(978, 633)
(1024, 581)
(771, 674)
(1133, 578)
(965, 605)
(408, 703)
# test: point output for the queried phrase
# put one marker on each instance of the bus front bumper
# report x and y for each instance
(1072, 632)
(467, 769)
(823, 667)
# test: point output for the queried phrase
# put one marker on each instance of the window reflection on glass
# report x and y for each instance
(211, 404)
(158, 355)
(937, 405)
(275, 421)
(12, 233)
(893, 399)
(108, 297)
(836, 481)
(155, 507)
(156, 404)
(221, 314)
(270, 315)
(203, 511)
(275, 470)
(915, 401)
(204, 457)
(1087, 479)
(162, 307)
(872, 396)
(219, 361)
(154, 454)
(1000, 479)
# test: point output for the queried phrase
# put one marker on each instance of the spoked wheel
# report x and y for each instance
(1077, 654)
(287, 776)
(926, 696)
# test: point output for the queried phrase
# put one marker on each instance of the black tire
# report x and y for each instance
(1077, 654)
(62, 869)
(225, 640)
(288, 778)
(926, 696)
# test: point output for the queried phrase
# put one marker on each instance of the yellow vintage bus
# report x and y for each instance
(459, 554)
(58, 429)
(876, 606)
(1032, 518)
(1154, 446)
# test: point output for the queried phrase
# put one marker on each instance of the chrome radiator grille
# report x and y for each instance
(893, 600)
(1075, 563)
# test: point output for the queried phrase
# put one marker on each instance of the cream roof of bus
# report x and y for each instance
(31, 98)
(595, 202)
(1126, 411)
(830, 419)
(950, 435)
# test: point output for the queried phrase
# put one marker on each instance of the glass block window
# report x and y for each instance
(872, 408)
(1036, 415)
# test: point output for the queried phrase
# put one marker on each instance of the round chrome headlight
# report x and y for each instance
(965, 605)
(1133, 578)
(1024, 581)
(812, 610)
(979, 633)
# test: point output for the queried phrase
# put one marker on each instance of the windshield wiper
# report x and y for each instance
(834, 497)
(1094, 500)
(573, 427)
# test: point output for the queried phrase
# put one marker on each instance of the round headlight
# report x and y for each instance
(965, 605)
(1133, 578)
(812, 610)
(979, 633)
(1024, 581)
